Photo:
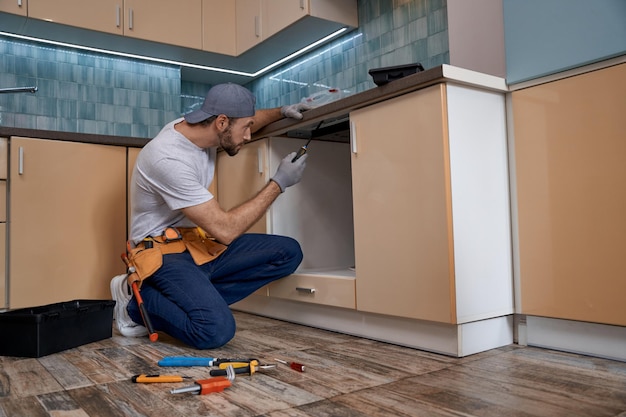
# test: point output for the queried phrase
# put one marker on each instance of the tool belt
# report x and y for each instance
(147, 257)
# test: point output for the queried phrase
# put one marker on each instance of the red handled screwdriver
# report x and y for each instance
(207, 386)
(293, 365)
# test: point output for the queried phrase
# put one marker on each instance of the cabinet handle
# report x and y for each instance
(305, 290)
(118, 15)
(257, 26)
(20, 160)
(259, 154)
(130, 19)
(353, 137)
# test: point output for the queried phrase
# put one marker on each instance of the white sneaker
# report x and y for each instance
(122, 294)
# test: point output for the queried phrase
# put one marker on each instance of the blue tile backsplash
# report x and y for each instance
(94, 93)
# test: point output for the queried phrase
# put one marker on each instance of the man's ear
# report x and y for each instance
(221, 122)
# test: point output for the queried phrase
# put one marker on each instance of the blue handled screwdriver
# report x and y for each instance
(193, 361)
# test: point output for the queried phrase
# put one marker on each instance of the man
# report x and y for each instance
(188, 296)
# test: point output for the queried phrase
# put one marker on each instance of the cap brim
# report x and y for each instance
(196, 116)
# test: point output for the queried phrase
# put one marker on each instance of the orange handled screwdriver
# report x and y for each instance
(293, 365)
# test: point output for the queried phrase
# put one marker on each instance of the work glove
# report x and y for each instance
(294, 111)
(289, 173)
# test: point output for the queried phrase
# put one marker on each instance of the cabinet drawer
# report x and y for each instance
(332, 290)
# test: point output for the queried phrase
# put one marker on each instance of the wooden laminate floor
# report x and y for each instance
(345, 376)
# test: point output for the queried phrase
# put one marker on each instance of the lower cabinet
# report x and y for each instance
(431, 206)
(571, 197)
(405, 230)
(67, 220)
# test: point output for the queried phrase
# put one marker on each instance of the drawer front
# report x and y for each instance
(338, 291)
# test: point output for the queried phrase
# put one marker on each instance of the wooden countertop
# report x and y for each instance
(6, 131)
(337, 109)
(417, 81)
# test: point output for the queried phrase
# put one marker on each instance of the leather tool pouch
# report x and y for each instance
(148, 260)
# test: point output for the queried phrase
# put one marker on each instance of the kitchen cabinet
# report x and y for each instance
(14, 6)
(4, 155)
(102, 15)
(248, 24)
(258, 20)
(153, 20)
(68, 220)
(571, 197)
(219, 33)
(240, 177)
(162, 21)
(431, 206)
(407, 226)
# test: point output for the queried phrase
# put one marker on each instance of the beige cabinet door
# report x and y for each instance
(68, 220)
(14, 6)
(241, 177)
(402, 210)
(570, 158)
(249, 24)
(175, 23)
(101, 15)
(219, 32)
(278, 14)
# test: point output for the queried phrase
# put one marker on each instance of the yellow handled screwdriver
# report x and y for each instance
(147, 379)
(301, 151)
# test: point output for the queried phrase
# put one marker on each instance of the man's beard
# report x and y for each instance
(226, 142)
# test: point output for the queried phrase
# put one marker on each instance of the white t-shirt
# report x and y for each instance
(171, 173)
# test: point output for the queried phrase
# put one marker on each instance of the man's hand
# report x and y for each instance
(294, 111)
(289, 173)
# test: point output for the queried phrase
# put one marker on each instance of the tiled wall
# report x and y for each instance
(92, 93)
(391, 32)
(86, 93)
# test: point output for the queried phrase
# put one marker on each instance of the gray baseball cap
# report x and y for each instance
(229, 99)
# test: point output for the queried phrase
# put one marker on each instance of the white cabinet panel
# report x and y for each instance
(480, 203)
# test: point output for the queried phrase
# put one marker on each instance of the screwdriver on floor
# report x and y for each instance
(147, 379)
(293, 365)
(207, 386)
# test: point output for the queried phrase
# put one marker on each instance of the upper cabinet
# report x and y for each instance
(14, 6)
(227, 28)
(103, 16)
(258, 20)
(163, 21)
(154, 20)
(218, 27)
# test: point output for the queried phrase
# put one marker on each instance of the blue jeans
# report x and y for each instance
(190, 302)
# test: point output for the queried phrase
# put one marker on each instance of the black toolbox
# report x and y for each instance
(39, 331)
(382, 76)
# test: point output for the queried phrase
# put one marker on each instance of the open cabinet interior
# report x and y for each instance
(317, 211)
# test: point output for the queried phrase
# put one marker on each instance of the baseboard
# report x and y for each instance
(448, 339)
(593, 339)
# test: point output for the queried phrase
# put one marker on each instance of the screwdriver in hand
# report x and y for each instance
(301, 151)
(293, 365)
